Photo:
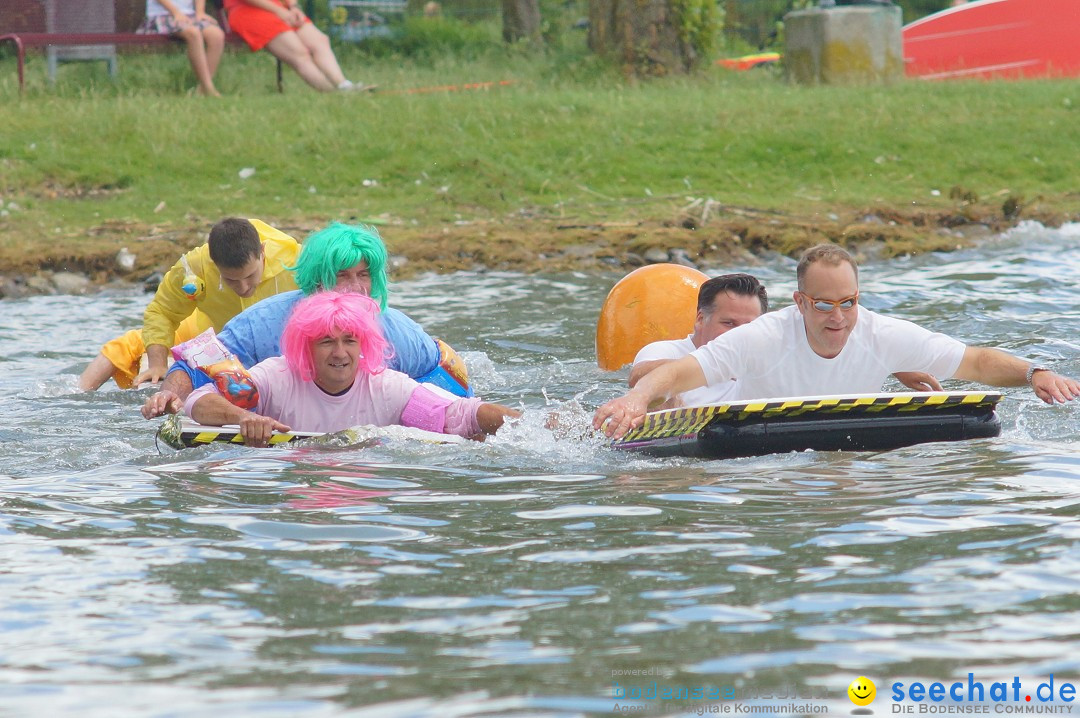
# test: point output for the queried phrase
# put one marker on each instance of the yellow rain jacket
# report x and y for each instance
(127, 350)
(216, 301)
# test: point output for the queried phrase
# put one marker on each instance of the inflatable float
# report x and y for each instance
(871, 422)
(180, 432)
(650, 304)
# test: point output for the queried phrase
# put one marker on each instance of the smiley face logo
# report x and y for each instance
(862, 691)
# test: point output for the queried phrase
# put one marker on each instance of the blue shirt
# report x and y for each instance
(255, 334)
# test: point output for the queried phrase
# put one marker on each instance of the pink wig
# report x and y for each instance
(329, 314)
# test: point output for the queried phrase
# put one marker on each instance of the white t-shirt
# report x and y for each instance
(770, 357)
(676, 349)
(154, 8)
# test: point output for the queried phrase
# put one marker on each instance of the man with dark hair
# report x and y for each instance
(724, 302)
(826, 344)
(243, 262)
(746, 285)
(234, 243)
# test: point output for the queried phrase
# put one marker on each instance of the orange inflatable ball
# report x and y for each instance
(648, 305)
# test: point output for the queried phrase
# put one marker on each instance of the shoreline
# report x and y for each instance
(703, 232)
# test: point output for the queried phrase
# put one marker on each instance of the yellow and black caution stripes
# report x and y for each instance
(674, 423)
(671, 423)
(210, 434)
(179, 432)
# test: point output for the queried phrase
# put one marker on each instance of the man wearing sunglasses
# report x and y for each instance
(726, 302)
(826, 344)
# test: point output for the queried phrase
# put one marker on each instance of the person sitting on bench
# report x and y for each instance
(286, 32)
(187, 20)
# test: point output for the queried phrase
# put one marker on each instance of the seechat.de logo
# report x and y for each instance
(862, 692)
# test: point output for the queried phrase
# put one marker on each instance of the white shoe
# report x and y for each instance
(348, 86)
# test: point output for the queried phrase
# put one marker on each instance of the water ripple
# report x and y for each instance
(522, 575)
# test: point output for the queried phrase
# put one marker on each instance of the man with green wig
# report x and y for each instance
(339, 258)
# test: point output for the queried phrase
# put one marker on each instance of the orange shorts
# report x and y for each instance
(127, 350)
(257, 26)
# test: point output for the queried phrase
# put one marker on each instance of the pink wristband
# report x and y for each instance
(425, 410)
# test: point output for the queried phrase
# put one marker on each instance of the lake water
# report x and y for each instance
(529, 575)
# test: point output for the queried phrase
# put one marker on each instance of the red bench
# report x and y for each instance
(24, 40)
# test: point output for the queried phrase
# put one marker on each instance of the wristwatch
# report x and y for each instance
(1032, 368)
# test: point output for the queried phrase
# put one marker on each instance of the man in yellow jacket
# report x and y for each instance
(243, 262)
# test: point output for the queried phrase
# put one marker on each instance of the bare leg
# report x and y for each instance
(97, 373)
(214, 37)
(288, 48)
(318, 44)
(197, 57)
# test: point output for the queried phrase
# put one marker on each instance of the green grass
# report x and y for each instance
(569, 137)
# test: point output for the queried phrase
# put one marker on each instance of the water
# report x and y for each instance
(526, 575)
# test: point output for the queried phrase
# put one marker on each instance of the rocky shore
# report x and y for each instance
(701, 233)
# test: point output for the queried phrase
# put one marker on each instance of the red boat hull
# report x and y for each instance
(996, 38)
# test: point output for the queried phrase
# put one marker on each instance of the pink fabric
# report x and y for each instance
(373, 400)
(425, 410)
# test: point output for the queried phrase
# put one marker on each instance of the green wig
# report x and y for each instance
(338, 247)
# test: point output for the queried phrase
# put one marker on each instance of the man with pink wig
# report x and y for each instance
(333, 376)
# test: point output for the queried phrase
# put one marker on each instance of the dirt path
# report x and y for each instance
(709, 234)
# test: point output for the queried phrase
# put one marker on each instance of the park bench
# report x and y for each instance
(95, 40)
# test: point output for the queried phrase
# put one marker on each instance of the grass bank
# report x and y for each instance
(566, 162)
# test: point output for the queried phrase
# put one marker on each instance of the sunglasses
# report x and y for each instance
(828, 305)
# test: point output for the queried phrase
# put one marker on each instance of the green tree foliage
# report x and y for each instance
(914, 9)
(699, 25)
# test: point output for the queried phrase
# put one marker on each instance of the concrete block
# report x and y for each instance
(844, 45)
